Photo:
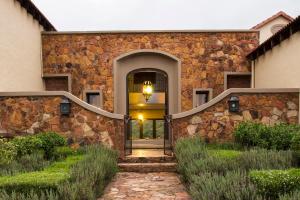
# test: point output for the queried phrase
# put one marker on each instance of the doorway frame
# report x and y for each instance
(129, 127)
(174, 71)
(149, 70)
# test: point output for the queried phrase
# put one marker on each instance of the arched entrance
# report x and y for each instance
(147, 111)
(163, 71)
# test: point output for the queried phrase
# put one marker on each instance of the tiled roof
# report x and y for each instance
(279, 14)
(276, 39)
(37, 14)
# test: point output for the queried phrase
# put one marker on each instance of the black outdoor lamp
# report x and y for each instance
(65, 107)
(234, 104)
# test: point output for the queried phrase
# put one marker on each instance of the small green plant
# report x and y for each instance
(27, 145)
(8, 152)
(272, 183)
(50, 140)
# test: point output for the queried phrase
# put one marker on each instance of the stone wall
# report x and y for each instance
(216, 123)
(204, 57)
(30, 115)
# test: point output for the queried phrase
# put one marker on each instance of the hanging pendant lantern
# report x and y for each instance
(147, 90)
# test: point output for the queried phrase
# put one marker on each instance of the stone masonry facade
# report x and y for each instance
(205, 56)
(216, 123)
(30, 115)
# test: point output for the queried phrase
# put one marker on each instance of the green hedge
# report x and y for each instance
(279, 136)
(80, 176)
(272, 183)
(47, 179)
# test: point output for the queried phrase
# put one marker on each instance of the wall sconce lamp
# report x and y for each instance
(65, 107)
(234, 104)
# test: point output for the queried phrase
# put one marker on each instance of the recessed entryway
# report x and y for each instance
(147, 123)
(147, 106)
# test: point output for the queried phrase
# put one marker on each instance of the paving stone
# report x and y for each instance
(152, 186)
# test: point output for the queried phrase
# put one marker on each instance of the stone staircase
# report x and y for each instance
(148, 164)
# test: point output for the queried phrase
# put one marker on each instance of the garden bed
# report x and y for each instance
(261, 165)
(64, 173)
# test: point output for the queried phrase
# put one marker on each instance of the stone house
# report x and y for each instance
(144, 89)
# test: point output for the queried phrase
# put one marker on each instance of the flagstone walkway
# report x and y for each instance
(145, 186)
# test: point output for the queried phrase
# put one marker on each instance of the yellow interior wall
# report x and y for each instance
(147, 114)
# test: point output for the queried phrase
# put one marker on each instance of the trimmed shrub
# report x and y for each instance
(49, 141)
(27, 145)
(8, 152)
(279, 136)
(45, 180)
(233, 185)
(79, 177)
(248, 134)
(272, 183)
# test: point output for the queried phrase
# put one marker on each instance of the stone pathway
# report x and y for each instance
(145, 186)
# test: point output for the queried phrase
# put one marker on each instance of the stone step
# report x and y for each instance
(162, 159)
(147, 167)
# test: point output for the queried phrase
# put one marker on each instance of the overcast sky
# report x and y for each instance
(93, 15)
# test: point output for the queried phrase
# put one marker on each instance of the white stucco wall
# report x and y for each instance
(265, 31)
(20, 49)
(280, 67)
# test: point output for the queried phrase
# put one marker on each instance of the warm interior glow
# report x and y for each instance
(147, 90)
(141, 117)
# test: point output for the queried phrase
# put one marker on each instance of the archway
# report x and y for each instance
(155, 65)
(150, 59)
(147, 112)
